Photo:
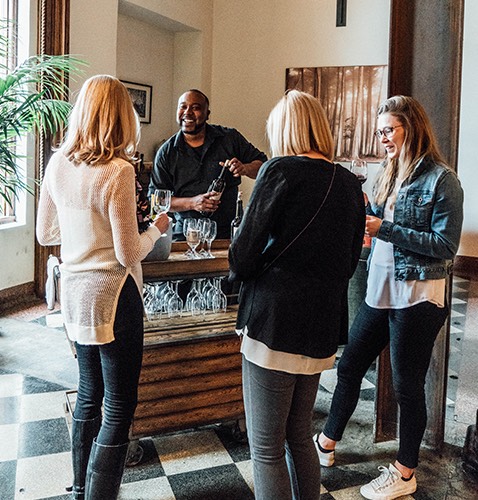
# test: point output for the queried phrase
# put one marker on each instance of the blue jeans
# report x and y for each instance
(111, 371)
(411, 333)
(279, 408)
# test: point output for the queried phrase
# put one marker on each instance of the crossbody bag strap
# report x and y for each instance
(307, 225)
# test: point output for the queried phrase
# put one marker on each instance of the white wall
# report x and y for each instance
(254, 43)
(152, 65)
(93, 27)
(467, 153)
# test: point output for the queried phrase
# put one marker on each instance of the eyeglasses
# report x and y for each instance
(386, 131)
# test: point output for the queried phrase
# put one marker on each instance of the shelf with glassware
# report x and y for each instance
(191, 373)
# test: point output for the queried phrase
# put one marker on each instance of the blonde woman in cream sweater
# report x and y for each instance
(88, 205)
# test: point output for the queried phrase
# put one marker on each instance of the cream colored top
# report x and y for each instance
(258, 353)
(91, 211)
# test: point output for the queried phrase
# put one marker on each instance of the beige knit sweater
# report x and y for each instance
(91, 211)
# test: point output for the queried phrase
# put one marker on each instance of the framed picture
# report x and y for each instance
(350, 96)
(141, 97)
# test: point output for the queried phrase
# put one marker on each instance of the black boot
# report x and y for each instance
(82, 434)
(105, 470)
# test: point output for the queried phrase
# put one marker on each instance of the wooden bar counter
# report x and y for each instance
(191, 373)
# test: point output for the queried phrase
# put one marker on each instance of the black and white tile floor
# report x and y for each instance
(36, 368)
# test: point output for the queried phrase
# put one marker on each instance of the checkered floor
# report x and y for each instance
(207, 463)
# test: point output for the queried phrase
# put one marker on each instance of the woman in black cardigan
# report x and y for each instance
(295, 251)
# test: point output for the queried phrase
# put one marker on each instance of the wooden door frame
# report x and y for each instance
(53, 39)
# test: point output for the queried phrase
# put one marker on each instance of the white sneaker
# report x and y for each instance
(325, 459)
(388, 485)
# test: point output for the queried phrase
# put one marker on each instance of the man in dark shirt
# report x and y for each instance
(190, 160)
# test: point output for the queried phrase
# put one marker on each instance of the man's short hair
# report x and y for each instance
(200, 93)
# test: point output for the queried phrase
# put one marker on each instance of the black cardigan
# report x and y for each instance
(298, 305)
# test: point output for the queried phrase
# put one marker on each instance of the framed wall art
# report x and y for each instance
(141, 97)
(350, 96)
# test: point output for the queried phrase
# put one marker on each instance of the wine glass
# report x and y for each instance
(193, 238)
(360, 169)
(217, 297)
(209, 236)
(160, 201)
(203, 226)
(186, 223)
(175, 302)
(195, 301)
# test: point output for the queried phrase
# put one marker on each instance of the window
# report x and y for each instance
(15, 28)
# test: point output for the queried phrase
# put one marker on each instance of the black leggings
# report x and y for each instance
(411, 333)
(109, 373)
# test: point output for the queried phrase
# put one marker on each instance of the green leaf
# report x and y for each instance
(32, 100)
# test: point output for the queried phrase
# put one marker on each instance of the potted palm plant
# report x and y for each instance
(32, 99)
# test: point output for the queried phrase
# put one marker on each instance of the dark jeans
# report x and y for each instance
(279, 408)
(111, 371)
(411, 333)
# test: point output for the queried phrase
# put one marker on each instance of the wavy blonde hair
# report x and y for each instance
(297, 124)
(103, 123)
(419, 142)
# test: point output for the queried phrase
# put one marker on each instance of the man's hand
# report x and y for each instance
(237, 168)
(204, 202)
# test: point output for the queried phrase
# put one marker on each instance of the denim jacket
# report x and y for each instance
(427, 223)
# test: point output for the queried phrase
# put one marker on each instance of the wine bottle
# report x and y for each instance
(236, 222)
(217, 187)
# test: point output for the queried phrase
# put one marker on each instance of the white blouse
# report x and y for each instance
(383, 291)
(258, 353)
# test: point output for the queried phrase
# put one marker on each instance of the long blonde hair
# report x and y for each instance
(419, 142)
(298, 124)
(103, 124)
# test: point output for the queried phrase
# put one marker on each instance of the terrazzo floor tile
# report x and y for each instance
(219, 483)
(43, 437)
(42, 406)
(9, 442)
(43, 476)
(190, 451)
(150, 489)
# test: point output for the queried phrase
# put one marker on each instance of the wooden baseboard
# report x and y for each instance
(17, 296)
(466, 267)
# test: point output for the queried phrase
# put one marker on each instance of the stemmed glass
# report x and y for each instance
(195, 301)
(160, 202)
(149, 301)
(217, 297)
(193, 239)
(165, 294)
(186, 223)
(175, 303)
(209, 236)
(360, 169)
(203, 226)
(207, 290)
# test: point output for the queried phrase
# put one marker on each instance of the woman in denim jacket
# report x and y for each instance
(416, 221)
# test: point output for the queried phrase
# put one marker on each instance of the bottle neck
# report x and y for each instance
(222, 174)
(239, 206)
(239, 209)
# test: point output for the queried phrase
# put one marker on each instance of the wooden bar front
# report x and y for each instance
(191, 373)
